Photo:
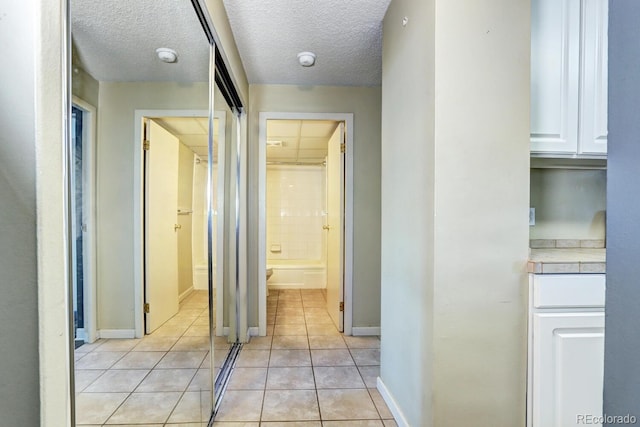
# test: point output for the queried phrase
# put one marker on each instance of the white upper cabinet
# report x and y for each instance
(569, 77)
(593, 108)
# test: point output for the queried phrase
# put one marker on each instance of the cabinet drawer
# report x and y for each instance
(569, 290)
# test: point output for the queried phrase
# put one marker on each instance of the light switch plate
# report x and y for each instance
(532, 216)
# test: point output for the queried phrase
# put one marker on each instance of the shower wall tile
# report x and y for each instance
(295, 212)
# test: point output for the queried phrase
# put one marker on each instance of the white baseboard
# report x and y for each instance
(392, 404)
(364, 331)
(185, 294)
(116, 333)
(253, 331)
(81, 334)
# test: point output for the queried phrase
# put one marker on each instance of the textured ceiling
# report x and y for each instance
(298, 141)
(346, 36)
(116, 40)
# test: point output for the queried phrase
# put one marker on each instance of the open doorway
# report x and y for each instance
(305, 229)
(176, 197)
(82, 212)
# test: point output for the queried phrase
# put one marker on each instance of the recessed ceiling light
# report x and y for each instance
(274, 143)
(307, 59)
(167, 55)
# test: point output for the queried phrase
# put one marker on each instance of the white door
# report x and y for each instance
(161, 232)
(568, 368)
(335, 227)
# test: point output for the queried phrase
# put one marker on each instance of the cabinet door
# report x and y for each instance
(593, 108)
(568, 364)
(555, 69)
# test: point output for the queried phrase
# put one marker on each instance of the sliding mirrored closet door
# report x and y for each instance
(152, 231)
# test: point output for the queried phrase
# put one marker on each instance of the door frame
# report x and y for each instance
(89, 247)
(347, 118)
(138, 203)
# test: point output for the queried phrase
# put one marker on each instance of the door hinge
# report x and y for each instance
(146, 146)
(342, 306)
(343, 147)
(146, 308)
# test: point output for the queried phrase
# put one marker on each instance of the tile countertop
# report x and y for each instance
(567, 260)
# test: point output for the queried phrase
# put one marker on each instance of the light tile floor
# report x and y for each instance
(304, 373)
(160, 380)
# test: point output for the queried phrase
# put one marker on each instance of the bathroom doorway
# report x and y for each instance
(305, 227)
(181, 190)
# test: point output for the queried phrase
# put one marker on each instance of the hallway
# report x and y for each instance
(304, 373)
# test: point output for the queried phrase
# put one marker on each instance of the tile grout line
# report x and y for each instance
(131, 350)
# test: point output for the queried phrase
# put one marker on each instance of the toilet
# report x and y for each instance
(269, 274)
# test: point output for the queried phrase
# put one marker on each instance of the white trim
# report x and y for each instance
(348, 233)
(117, 333)
(365, 331)
(401, 420)
(81, 334)
(90, 289)
(241, 136)
(253, 331)
(138, 214)
(185, 294)
(219, 213)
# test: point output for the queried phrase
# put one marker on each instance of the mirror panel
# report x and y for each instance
(140, 253)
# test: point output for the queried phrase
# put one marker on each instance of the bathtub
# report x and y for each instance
(297, 275)
(200, 277)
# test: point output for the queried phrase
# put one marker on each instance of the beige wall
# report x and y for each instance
(460, 73)
(185, 197)
(85, 87)
(408, 186)
(116, 189)
(364, 103)
(53, 316)
(570, 203)
(228, 45)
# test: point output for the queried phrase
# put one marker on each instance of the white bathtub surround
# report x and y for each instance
(297, 275)
(296, 242)
(295, 213)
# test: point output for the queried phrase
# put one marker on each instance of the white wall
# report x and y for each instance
(570, 203)
(364, 103)
(295, 213)
(53, 316)
(455, 132)
(185, 234)
(408, 185)
(115, 186)
(19, 382)
(199, 217)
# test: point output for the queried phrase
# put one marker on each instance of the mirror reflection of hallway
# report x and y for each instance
(126, 373)
(173, 358)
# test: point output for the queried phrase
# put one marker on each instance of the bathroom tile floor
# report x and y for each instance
(304, 373)
(159, 380)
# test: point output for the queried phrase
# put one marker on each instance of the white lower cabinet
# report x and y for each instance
(566, 353)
